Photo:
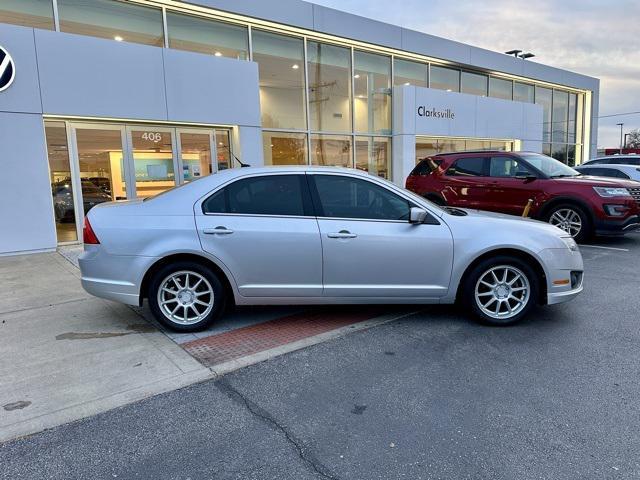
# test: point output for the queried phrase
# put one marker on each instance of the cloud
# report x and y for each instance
(599, 38)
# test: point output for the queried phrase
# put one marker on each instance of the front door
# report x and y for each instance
(511, 185)
(263, 229)
(369, 247)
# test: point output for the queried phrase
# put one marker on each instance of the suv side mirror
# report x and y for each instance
(417, 215)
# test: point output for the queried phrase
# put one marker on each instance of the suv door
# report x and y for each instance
(369, 248)
(263, 229)
(467, 183)
(512, 183)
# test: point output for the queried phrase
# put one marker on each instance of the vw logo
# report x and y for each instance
(7, 70)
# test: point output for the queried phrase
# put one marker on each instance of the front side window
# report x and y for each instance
(348, 197)
(507, 167)
(265, 195)
(467, 167)
(549, 166)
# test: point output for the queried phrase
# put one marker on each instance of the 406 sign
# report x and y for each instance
(155, 137)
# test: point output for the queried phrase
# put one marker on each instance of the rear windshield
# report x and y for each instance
(426, 166)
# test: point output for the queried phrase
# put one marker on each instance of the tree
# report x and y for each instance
(633, 139)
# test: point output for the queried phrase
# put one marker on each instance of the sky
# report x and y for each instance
(599, 38)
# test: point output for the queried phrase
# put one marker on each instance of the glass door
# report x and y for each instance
(152, 159)
(195, 149)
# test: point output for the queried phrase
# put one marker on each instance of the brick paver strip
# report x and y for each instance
(245, 341)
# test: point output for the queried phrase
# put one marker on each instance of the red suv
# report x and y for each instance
(506, 181)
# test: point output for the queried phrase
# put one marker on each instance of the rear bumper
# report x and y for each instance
(617, 227)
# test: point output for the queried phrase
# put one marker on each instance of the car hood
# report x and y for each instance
(594, 181)
(502, 220)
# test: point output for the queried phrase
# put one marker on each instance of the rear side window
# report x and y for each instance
(263, 195)
(612, 172)
(426, 166)
(468, 167)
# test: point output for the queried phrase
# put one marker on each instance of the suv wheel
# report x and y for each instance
(570, 218)
(501, 290)
(186, 296)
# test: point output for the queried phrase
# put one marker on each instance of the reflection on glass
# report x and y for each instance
(119, 21)
(406, 72)
(153, 161)
(28, 13)
(331, 150)
(444, 78)
(372, 88)
(474, 84)
(281, 67)
(207, 36)
(573, 115)
(61, 188)
(560, 116)
(573, 152)
(500, 88)
(373, 155)
(523, 92)
(281, 148)
(559, 152)
(546, 149)
(329, 71)
(428, 146)
(195, 150)
(447, 145)
(543, 97)
(425, 147)
(223, 150)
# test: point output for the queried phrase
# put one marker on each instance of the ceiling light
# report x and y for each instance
(118, 38)
(407, 83)
(295, 66)
(449, 90)
(218, 54)
(356, 76)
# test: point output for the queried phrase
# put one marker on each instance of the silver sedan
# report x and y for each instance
(317, 235)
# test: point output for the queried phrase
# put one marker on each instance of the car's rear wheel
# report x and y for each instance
(572, 219)
(186, 296)
(501, 290)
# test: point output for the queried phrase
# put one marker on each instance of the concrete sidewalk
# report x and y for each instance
(65, 355)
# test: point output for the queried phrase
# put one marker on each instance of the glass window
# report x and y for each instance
(348, 197)
(28, 13)
(195, 151)
(507, 167)
(573, 115)
(263, 195)
(61, 188)
(281, 148)
(444, 78)
(329, 71)
(153, 161)
(101, 163)
(523, 92)
(500, 88)
(112, 19)
(406, 72)
(281, 66)
(559, 152)
(207, 36)
(333, 150)
(474, 84)
(468, 167)
(544, 98)
(426, 147)
(560, 116)
(223, 149)
(449, 145)
(373, 155)
(372, 102)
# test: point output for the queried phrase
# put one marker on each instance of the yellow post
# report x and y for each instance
(527, 209)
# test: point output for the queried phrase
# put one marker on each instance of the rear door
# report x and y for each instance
(467, 183)
(263, 229)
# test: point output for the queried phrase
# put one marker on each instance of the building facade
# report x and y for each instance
(112, 99)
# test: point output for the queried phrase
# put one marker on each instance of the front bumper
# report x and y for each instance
(617, 227)
(564, 270)
(554, 298)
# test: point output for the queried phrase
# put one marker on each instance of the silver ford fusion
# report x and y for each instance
(318, 235)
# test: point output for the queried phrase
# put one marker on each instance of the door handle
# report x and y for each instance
(217, 231)
(342, 234)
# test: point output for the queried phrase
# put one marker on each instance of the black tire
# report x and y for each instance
(472, 280)
(217, 300)
(586, 230)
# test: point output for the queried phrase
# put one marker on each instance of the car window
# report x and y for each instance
(263, 195)
(467, 167)
(612, 172)
(507, 167)
(426, 166)
(348, 197)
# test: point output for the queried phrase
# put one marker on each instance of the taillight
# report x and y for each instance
(88, 235)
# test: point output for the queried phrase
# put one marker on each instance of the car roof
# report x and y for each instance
(622, 166)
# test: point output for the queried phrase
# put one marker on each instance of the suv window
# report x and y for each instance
(263, 195)
(348, 197)
(507, 167)
(426, 166)
(468, 167)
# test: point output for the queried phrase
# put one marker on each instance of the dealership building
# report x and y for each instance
(111, 99)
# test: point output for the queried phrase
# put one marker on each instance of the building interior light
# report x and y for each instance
(356, 76)
(449, 90)
(218, 54)
(295, 66)
(407, 83)
(118, 38)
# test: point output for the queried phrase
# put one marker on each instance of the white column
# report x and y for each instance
(247, 145)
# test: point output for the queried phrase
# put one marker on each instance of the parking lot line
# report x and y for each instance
(605, 248)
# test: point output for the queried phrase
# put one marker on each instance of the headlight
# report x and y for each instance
(608, 192)
(570, 243)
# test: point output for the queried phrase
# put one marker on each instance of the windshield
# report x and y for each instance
(549, 166)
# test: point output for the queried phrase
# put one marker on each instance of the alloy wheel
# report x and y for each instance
(502, 292)
(568, 220)
(185, 297)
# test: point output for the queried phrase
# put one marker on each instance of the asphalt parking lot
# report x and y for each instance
(432, 395)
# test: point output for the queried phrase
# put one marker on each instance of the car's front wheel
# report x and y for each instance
(501, 290)
(186, 296)
(572, 219)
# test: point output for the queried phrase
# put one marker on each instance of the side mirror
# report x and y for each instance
(417, 215)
